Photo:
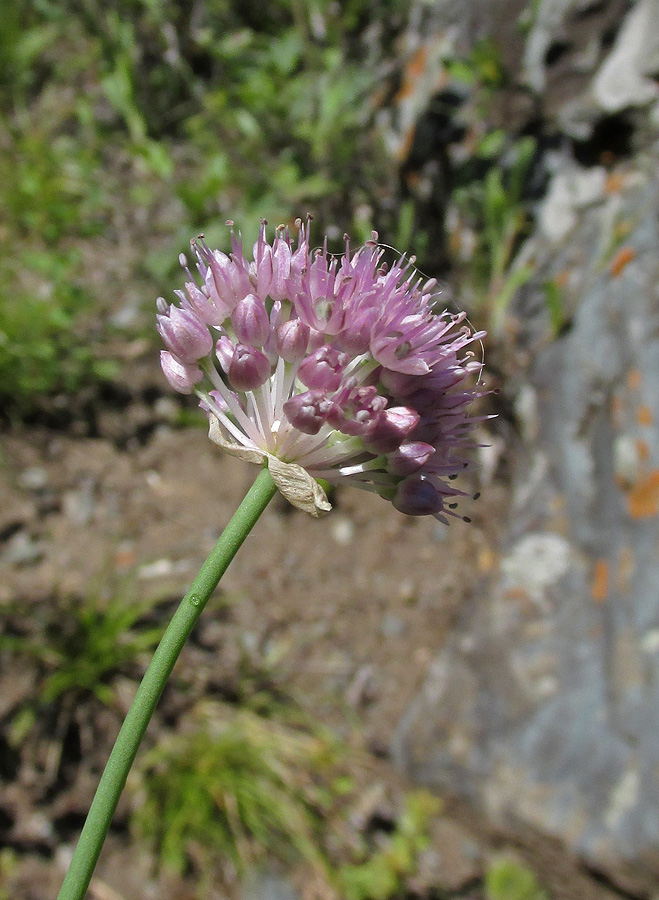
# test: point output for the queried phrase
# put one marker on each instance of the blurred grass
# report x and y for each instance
(130, 125)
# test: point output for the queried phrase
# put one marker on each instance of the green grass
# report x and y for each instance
(176, 123)
(77, 651)
(239, 789)
(381, 874)
(506, 879)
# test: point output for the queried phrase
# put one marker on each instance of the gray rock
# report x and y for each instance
(22, 549)
(625, 77)
(79, 504)
(452, 861)
(34, 478)
(392, 625)
(543, 708)
(267, 886)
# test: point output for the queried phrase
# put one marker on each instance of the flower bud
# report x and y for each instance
(409, 458)
(356, 339)
(316, 340)
(416, 496)
(323, 370)
(185, 334)
(217, 399)
(291, 340)
(393, 427)
(224, 351)
(281, 269)
(264, 270)
(250, 321)
(398, 384)
(308, 411)
(180, 376)
(211, 311)
(249, 368)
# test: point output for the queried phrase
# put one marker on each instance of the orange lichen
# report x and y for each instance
(414, 69)
(644, 415)
(615, 182)
(124, 559)
(643, 498)
(600, 584)
(642, 449)
(621, 260)
(486, 560)
(633, 379)
(562, 278)
(518, 595)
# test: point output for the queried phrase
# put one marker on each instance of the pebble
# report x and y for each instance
(161, 568)
(343, 531)
(266, 886)
(78, 505)
(34, 478)
(22, 549)
(392, 625)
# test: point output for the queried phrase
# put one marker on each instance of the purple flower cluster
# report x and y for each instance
(326, 368)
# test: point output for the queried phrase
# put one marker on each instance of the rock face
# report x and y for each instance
(543, 708)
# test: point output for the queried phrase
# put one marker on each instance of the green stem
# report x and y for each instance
(132, 731)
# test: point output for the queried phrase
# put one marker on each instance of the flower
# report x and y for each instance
(340, 370)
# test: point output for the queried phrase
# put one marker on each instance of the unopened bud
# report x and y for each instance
(250, 321)
(416, 496)
(409, 458)
(291, 340)
(180, 376)
(249, 368)
(185, 334)
(394, 425)
(224, 351)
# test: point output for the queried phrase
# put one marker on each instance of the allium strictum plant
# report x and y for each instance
(320, 369)
(340, 369)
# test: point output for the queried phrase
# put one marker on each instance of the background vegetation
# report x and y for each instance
(128, 126)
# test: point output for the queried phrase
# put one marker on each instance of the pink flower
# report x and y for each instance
(326, 368)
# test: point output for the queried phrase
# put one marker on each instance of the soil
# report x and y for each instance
(343, 614)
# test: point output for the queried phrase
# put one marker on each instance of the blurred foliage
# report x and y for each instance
(507, 879)
(134, 123)
(8, 865)
(490, 196)
(78, 650)
(381, 875)
(240, 788)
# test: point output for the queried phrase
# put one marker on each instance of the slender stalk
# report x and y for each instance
(132, 731)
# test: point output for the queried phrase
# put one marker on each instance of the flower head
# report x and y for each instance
(329, 369)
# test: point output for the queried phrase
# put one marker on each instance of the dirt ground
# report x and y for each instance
(344, 614)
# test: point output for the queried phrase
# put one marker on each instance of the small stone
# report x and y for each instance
(266, 886)
(35, 478)
(450, 863)
(161, 568)
(22, 549)
(166, 409)
(343, 530)
(392, 625)
(78, 505)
